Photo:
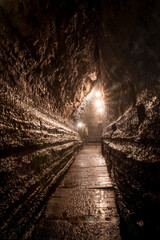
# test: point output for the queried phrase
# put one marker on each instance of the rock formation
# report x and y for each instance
(51, 54)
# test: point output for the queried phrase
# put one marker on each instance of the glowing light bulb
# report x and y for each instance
(80, 124)
(100, 110)
(98, 103)
(98, 94)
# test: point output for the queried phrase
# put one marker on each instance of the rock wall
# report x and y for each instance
(48, 63)
(48, 52)
(128, 39)
(35, 151)
(129, 62)
(51, 52)
(131, 149)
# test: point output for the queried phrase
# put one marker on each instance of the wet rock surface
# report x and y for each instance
(51, 54)
(35, 151)
(129, 51)
(47, 52)
(47, 66)
(131, 147)
(83, 206)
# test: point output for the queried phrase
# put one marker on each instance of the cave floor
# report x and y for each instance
(83, 206)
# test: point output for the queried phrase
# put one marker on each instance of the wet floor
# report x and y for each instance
(83, 206)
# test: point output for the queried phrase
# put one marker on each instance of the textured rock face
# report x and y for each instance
(129, 51)
(48, 52)
(131, 147)
(47, 65)
(129, 55)
(36, 151)
(51, 52)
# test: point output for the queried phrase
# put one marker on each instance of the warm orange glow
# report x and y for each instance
(98, 103)
(98, 94)
(100, 110)
(80, 124)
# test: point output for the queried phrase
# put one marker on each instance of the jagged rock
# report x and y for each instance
(51, 55)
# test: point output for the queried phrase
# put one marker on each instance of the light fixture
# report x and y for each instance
(98, 103)
(100, 110)
(79, 125)
(98, 94)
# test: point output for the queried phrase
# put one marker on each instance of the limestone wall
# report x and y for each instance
(131, 149)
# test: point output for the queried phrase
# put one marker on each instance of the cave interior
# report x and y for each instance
(54, 55)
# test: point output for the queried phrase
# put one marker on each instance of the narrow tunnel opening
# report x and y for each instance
(91, 115)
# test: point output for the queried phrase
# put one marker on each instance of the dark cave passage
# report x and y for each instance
(72, 74)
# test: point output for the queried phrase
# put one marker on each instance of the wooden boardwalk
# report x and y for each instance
(83, 206)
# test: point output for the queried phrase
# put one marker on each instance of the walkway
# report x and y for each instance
(83, 206)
